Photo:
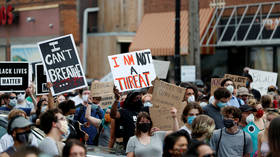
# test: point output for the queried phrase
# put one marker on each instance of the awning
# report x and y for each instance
(244, 25)
(157, 32)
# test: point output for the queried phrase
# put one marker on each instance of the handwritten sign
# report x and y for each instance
(165, 96)
(105, 91)
(215, 84)
(239, 81)
(134, 70)
(161, 68)
(14, 76)
(63, 66)
(187, 73)
(262, 80)
(41, 80)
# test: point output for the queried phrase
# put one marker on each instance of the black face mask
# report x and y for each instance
(144, 127)
(228, 123)
(24, 137)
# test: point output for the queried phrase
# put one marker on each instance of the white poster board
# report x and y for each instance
(134, 70)
(262, 80)
(187, 73)
(161, 68)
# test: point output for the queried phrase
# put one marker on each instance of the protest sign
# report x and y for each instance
(134, 70)
(105, 91)
(165, 96)
(14, 76)
(187, 73)
(215, 84)
(262, 80)
(62, 64)
(239, 81)
(41, 80)
(161, 68)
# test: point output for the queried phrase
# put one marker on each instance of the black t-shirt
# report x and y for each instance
(214, 112)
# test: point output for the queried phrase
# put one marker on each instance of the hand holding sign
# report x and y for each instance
(116, 94)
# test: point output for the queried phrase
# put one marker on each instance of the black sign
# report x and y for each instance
(62, 64)
(14, 76)
(41, 80)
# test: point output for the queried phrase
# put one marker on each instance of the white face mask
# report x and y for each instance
(64, 127)
(85, 98)
(191, 98)
(250, 118)
(44, 108)
(230, 88)
(70, 117)
(203, 104)
(20, 97)
(148, 104)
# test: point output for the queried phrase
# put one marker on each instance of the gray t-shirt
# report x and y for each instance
(49, 146)
(153, 149)
(104, 137)
(231, 145)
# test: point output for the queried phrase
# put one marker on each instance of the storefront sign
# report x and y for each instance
(6, 15)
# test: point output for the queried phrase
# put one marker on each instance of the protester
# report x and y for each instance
(19, 129)
(147, 99)
(60, 98)
(256, 93)
(176, 143)
(229, 85)
(200, 149)
(266, 101)
(78, 99)
(96, 112)
(146, 143)
(190, 111)
(231, 140)
(221, 97)
(9, 102)
(27, 151)
(263, 148)
(191, 94)
(243, 95)
(202, 128)
(274, 138)
(54, 125)
(74, 148)
(246, 110)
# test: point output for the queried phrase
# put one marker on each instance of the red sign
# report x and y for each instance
(6, 15)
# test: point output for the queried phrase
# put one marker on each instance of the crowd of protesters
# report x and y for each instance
(233, 122)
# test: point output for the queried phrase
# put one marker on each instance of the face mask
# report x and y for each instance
(203, 104)
(85, 98)
(144, 127)
(107, 118)
(64, 127)
(221, 105)
(250, 118)
(70, 117)
(191, 98)
(65, 136)
(259, 113)
(148, 104)
(21, 97)
(228, 123)
(24, 137)
(13, 102)
(230, 88)
(190, 119)
(44, 108)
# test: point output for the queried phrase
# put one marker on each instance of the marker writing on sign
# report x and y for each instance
(141, 58)
(135, 81)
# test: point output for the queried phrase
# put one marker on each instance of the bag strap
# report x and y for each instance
(217, 148)
(244, 146)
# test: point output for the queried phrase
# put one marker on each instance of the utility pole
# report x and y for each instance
(177, 61)
(194, 35)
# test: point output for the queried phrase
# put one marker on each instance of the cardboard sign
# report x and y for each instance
(262, 80)
(105, 91)
(134, 70)
(188, 73)
(215, 84)
(41, 80)
(62, 63)
(239, 81)
(161, 68)
(14, 76)
(165, 96)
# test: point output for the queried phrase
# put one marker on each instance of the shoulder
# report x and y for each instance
(132, 139)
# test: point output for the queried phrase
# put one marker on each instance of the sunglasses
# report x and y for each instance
(12, 97)
(210, 155)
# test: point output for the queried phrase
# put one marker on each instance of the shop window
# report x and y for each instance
(2, 53)
(261, 58)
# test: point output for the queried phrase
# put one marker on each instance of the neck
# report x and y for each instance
(144, 134)
(232, 130)
(188, 125)
(17, 144)
(55, 134)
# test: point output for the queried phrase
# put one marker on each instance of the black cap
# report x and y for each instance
(246, 108)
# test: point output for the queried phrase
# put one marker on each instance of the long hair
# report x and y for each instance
(69, 144)
(202, 125)
(274, 137)
(188, 107)
(139, 117)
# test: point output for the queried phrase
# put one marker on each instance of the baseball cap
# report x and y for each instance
(243, 91)
(246, 108)
(19, 122)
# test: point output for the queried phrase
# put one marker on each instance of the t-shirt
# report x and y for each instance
(235, 102)
(49, 147)
(153, 149)
(186, 128)
(214, 112)
(253, 131)
(77, 99)
(104, 136)
(231, 145)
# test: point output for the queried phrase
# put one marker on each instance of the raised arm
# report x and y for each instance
(112, 134)
(50, 97)
(175, 124)
(115, 114)
(92, 120)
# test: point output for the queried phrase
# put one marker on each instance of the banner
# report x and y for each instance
(41, 80)
(14, 76)
(215, 84)
(105, 91)
(187, 73)
(161, 68)
(262, 80)
(134, 70)
(239, 81)
(165, 96)
(62, 64)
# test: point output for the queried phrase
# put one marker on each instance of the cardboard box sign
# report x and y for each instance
(134, 70)
(215, 84)
(165, 96)
(62, 64)
(41, 80)
(239, 81)
(14, 76)
(105, 91)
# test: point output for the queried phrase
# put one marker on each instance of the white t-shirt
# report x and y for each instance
(187, 129)
(77, 100)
